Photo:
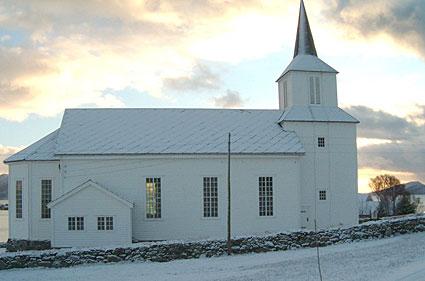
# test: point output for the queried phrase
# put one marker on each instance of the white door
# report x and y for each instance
(306, 219)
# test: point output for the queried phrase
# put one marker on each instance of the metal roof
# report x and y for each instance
(304, 45)
(317, 114)
(173, 131)
(42, 150)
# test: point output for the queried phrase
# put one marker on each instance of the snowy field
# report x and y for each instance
(400, 258)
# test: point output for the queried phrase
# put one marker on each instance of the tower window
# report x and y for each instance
(321, 142)
(285, 93)
(315, 90)
(322, 195)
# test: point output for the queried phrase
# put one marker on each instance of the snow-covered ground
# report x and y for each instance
(4, 226)
(399, 258)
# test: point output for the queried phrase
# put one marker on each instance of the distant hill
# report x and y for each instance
(3, 187)
(415, 188)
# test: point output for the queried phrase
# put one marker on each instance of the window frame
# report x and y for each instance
(266, 210)
(76, 224)
(318, 91)
(44, 203)
(21, 199)
(321, 142)
(315, 90)
(323, 195)
(147, 205)
(104, 225)
(212, 214)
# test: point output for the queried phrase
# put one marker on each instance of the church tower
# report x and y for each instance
(307, 80)
(309, 104)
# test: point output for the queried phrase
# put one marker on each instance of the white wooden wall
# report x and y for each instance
(91, 203)
(182, 181)
(31, 226)
(333, 168)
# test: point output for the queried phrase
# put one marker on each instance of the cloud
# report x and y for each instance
(403, 21)
(68, 53)
(5, 38)
(201, 78)
(232, 99)
(377, 124)
(6, 151)
(396, 144)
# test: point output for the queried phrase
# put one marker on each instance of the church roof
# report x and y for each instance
(163, 131)
(316, 114)
(173, 131)
(308, 63)
(85, 185)
(42, 150)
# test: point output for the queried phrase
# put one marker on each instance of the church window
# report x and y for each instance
(18, 194)
(322, 195)
(265, 196)
(153, 198)
(285, 93)
(315, 90)
(210, 191)
(46, 197)
(105, 223)
(75, 223)
(321, 142)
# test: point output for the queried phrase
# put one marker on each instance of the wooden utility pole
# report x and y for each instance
(317, 250)
(229, 230)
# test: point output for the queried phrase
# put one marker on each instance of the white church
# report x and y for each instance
(113, 176)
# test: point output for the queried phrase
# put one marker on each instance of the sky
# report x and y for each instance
(214, 54)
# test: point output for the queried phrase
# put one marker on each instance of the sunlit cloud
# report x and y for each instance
(6, 151)
(365, 174)
(232, 99)
(389, 144)
(400, 21)
(201, 78)
(363, 142)
(76, 49)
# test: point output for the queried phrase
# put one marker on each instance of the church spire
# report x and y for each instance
(305, 43)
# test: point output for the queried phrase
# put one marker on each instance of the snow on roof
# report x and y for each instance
(85, 185)
(173, 131)
(308, 63)
(42, 150)
(317, 114)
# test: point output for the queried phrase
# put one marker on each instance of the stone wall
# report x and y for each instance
(166, 251)
(13, 245)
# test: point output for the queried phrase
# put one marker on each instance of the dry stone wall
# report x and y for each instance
(164, 252)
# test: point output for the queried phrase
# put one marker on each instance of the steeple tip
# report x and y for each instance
(304, 44)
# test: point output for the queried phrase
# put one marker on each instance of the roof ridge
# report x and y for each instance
(173, 108)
